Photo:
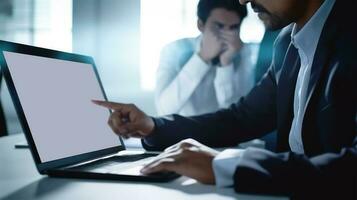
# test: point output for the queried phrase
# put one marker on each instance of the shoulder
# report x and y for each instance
(247, 54)
(281, 45)
(247, 48)
(181, 45)
(284, 38)
(340, 34)
(177, 53)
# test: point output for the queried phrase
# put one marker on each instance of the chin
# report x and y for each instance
(273, 23)
(273, 26)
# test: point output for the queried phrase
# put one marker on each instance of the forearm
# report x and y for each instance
(221, 129)
(173, 93)
(205, 128)
(224, 85)
(248, 119)
(295, 175)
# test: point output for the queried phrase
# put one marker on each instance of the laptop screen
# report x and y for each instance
(55, 96)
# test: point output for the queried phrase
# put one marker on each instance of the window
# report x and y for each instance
(53, 24)
(16, 20)
(45, 23)
(163, 21)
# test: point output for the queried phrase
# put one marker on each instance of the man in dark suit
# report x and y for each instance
(309, 95)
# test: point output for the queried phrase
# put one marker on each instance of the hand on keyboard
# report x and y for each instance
(189, 158)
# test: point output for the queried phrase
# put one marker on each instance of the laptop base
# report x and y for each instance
(157, 177)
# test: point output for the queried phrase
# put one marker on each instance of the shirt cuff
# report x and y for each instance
(153, 139)
(224, 85)
(224, 74)
(224, 166)
(195, 68)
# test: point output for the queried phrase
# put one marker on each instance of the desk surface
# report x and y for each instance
(19, 179)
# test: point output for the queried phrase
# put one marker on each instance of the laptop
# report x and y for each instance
(67, 134)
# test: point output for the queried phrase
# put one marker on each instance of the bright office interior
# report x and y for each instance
(125, 38)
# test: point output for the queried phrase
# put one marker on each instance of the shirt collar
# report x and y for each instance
(198, 43)
(306, 39)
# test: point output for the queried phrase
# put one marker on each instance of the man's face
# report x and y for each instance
(221, 20)
(277, 14)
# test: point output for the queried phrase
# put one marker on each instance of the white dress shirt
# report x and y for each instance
(186, 85)
(306, 41)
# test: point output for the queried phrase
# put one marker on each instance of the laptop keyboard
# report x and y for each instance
(118, 164)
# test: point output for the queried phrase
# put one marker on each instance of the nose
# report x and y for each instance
(243, 2)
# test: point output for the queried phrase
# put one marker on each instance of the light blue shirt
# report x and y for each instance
(306, 41)
(188, 86)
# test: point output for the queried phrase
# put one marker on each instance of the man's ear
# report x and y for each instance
(200, 25)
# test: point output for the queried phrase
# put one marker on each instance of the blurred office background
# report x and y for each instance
(124, 37)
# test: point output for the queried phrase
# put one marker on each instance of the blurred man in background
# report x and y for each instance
(203, 74)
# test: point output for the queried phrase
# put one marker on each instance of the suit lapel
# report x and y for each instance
(288, 78)
(321, 56)
(285, 98)
(322, 59)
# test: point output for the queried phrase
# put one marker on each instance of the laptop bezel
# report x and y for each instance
(43, 167)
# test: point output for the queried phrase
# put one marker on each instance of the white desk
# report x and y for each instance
(19, 179)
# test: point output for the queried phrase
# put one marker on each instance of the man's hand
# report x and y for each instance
(232, 44)
(188, 158)
(127, 120)
(211, 46)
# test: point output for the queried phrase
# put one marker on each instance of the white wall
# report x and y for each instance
(109, 30)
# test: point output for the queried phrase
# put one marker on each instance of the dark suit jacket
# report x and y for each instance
(329, 166)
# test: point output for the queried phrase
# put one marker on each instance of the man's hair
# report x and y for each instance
(205, 8)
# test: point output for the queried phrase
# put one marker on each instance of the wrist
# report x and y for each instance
(224, 166)
(227, 58)
(205, 58)
(150, 126)
(225, 63)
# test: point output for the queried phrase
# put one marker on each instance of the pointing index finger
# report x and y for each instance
(108, 104)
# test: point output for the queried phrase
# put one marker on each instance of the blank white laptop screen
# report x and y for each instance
(56, 98)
